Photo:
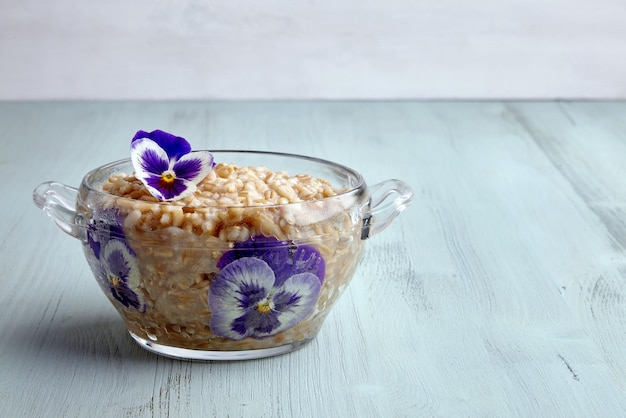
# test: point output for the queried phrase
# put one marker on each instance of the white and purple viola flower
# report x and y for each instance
(166, 165)
(112, 260)
(265, 286)
(122, 275)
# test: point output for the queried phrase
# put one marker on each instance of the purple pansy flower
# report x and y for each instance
(112, 260)
(166, 165)
(264, 287)
(247, 299)
(120, 274)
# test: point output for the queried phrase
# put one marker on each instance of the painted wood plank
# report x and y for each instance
(498, 292)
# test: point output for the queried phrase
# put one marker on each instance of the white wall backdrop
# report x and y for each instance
(154, 49)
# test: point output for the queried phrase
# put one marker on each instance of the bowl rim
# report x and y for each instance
(357, 189)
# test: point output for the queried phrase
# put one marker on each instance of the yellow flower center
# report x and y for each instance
(264, 307)
(168, 177)
(114, 280)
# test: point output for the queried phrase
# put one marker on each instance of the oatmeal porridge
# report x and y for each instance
(181, 278)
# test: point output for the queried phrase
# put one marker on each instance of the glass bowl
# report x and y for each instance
(225, 281)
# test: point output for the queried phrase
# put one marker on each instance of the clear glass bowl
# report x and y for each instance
(225, 282)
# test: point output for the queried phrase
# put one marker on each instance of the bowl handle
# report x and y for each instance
(388, 199)
(58, 201)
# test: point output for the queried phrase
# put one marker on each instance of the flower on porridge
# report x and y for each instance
(247, 299)
(166, 165)
(119, 272)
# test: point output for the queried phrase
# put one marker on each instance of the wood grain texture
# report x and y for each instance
(500, 291)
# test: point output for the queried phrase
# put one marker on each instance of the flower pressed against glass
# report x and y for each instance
(104, 225)
(111, 259)
(247, 300)
(121, 274)
(166, 165)
(284, 257)
(265, 286)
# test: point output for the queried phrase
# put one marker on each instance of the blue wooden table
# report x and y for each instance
(501, 291)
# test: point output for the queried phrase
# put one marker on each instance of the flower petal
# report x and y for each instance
(256, 324)
(176, 189)
(94, 241)
(104, 225)
(118, 260)
(301, 259)
(148, 158)
(234, 293)
(194, 166)
(284, 257)
(174, 146)
(126, 297)
(256, 246)
(295, 299)
(121, 264)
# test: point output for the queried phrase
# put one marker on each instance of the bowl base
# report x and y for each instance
(203, 355)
